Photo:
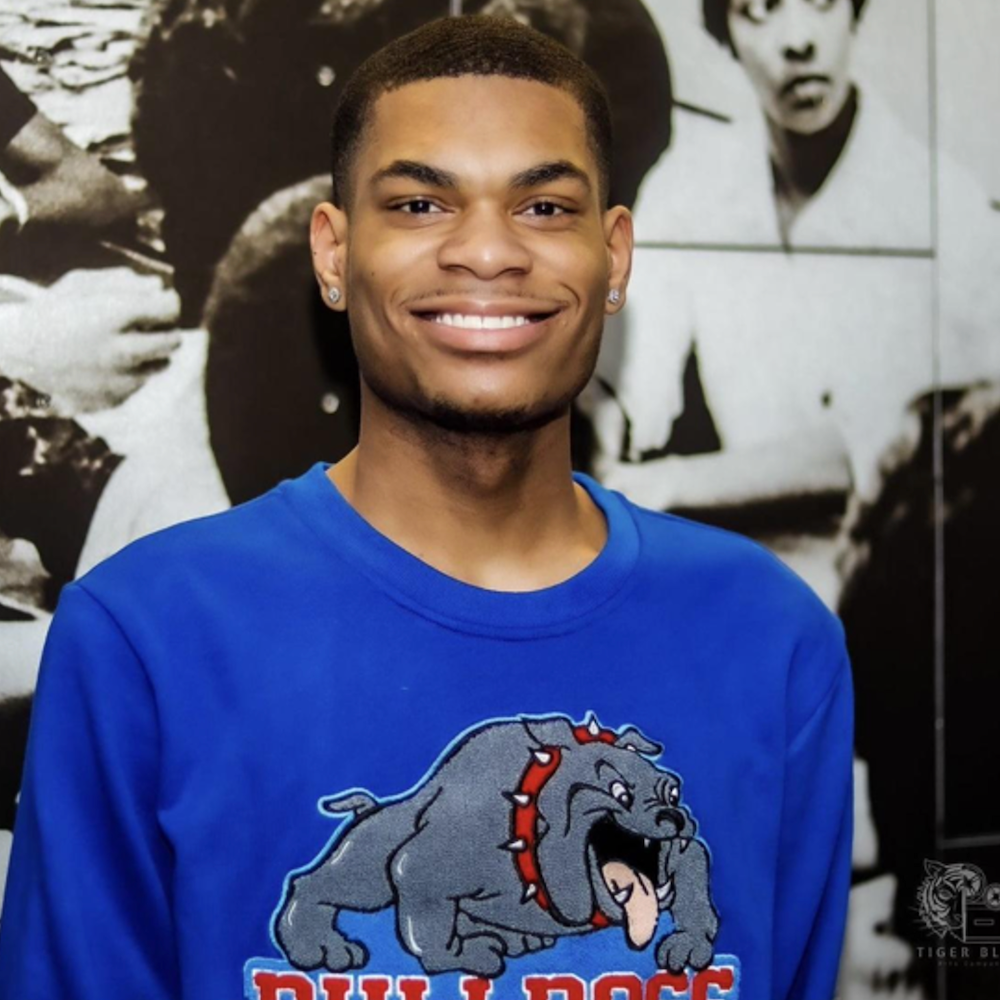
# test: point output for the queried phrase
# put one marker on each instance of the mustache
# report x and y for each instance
(789, 85)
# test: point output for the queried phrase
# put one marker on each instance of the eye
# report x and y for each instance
(547, 210)
(756, 11)
(417, 206)
(621, 793)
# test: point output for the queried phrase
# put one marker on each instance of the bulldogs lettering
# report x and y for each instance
(526, 831)
(718, 981)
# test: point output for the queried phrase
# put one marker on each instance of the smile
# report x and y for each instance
(476, 321)
(486, 329)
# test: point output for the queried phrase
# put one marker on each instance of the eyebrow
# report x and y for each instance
(424, 173)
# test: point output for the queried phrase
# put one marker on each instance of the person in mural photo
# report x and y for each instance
(446, 712)
(843, 170)
(72, 342)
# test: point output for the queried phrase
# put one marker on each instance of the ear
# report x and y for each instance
(632, 739)
(619, 241)
(552, 731)
(933, 867)
(328, 239)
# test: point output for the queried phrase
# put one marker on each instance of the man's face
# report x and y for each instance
(796, 54)
(476, 259)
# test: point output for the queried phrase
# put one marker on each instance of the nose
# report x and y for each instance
(797, 44)
(674, 816)
(485, 243)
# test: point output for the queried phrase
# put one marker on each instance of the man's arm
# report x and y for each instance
(809, 462)
(87, 912)
(61, 183)
(814, 850)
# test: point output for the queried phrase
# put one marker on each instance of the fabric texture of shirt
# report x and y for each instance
(275, 754)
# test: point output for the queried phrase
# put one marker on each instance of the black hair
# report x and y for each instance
(715, 14)
(477, 45)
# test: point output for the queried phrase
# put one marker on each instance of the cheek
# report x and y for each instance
(752, 53)
(378, 277)
(843, 47)
(575, 265)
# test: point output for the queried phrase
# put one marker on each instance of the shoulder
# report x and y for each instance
(734, 586)
(208, 557)
(735, 577)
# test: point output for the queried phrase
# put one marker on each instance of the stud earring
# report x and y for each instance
(333, 295)
(614, 296)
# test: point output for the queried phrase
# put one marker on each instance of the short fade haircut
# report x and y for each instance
(715, 14)
(468, 45)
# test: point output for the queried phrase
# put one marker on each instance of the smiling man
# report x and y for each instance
(445, 713)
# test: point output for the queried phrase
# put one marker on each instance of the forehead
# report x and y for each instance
(478, 127)
(761, 10)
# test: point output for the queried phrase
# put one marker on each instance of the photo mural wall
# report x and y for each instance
(810, 353)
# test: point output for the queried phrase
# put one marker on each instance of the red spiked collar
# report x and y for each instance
(524, 844)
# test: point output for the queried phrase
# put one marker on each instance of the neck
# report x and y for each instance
(498, 511)
(803, 162)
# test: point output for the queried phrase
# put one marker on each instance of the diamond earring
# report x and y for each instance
(333, 295)
(614, 296)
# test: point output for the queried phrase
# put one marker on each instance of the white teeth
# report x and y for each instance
(646, 841)
(477, 322)
(663, 891)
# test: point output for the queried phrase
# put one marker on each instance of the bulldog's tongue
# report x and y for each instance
(636, 895)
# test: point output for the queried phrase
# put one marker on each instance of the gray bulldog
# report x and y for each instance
(526, 831)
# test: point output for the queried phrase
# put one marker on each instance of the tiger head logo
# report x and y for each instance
(940, 895)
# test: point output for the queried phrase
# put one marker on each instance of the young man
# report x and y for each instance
(443, 718)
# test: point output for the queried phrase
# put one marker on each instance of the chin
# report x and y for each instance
(493, 421)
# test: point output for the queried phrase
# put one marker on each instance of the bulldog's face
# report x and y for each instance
(611, 820)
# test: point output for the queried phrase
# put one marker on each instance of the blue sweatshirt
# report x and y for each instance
(275, 755)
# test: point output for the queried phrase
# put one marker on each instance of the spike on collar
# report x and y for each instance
(523, 844)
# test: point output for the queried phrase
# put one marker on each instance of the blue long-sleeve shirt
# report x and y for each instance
(274, 754)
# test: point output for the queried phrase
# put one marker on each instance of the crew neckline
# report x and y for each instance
(417, 585)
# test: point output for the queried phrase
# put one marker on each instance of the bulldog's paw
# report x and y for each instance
(324, 948)
(684, 949)
(479, 955)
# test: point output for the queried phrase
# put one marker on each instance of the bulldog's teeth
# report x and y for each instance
(629, 746)
(543, 757)
(665, 890)
(593, 727)
(521, 799)
(684, 843)
(516, 845)
(530, 891)
(646, 841)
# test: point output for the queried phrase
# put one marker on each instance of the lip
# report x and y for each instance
(506, 341)
(793, 85)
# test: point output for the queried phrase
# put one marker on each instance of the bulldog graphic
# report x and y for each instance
(527, 830)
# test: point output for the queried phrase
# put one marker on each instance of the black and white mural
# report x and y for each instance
(810, 354)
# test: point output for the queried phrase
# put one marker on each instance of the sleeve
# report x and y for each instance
(814, 853)
(87, 910)
(16, 110)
